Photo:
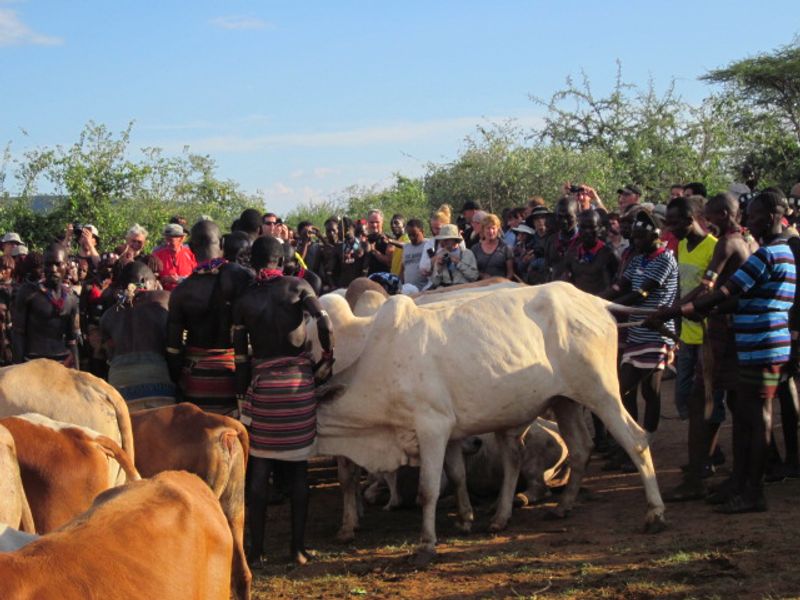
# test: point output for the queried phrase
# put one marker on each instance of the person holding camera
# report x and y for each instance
(88, 238)
(452, 265)
(378, 249)
(586, 196)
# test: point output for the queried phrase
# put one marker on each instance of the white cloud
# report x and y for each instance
(297, 174)
(322, 172)
(381, 134)
(13, 32)
(232, 22)
(280, 189)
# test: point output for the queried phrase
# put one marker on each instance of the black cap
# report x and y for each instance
(471, 205)
(630, 189)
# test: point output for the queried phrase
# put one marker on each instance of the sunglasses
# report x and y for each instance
(270, 222)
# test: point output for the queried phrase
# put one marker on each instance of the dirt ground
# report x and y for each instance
(600, 551)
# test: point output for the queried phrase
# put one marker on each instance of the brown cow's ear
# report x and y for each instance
(329, 391)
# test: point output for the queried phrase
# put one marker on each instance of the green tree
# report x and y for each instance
(652, 139)
(760, 102)
(770, 82)
(96, 181)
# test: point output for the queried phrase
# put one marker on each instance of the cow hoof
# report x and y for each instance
(390, 506)
(655, 523)
(422, 558)
(345, 536)
(556, 514)
(464, 526)
(496, 526)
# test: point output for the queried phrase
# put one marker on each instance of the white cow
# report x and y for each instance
(438, 373)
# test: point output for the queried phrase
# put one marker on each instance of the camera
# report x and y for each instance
(430, 252)
(574, 189)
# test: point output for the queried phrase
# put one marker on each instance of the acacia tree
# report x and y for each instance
(760, 100)
(652, 139)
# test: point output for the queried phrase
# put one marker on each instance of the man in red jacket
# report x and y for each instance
(177, 261)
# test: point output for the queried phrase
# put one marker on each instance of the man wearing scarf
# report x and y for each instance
(650, 281)
(591, 264)
(201, 308)
(564, 240)
(45, 315)
(276, 386)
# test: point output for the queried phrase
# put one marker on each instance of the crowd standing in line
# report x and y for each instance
(218, 320)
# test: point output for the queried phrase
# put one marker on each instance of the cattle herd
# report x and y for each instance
(89, 491)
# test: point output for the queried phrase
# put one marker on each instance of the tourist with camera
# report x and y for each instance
(378, 249)
(452, 265)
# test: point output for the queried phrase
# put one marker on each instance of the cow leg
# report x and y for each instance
(633, 440)
(232, 502)
(457, 474)
(348, 480)
(432, 446)
(510, 444)
(572, 427)
(394, 493)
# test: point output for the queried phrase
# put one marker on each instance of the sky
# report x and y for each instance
(298, 100)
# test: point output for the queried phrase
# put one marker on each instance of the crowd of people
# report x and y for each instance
(218, 319)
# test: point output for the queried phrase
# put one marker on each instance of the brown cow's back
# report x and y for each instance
(63, 467)
(49, 388)
(162, 538)
(214, 447)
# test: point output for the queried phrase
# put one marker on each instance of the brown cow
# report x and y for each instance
(49, 388)
(64, 467)
(14, 508)
(215, 447)
(162, 538)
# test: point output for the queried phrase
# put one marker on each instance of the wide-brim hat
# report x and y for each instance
(448, 232)
(522, 228)
(539, 212)
(11, 238)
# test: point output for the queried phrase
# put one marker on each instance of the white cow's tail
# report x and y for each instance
(628, 310)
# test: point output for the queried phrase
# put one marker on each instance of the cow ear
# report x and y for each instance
(329, 391)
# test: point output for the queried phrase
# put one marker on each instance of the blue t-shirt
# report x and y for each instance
(766, 288)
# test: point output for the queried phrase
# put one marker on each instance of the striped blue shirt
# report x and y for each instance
(766, 287)
(662, 268)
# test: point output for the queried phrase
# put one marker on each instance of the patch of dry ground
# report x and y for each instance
(598, 552)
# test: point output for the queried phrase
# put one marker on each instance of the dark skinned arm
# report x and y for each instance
(241, 348)
(324, 368)
(175, 329)
(634, 297)
(19, 316)
(72, 327)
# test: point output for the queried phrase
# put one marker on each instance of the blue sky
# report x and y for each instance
(299, 100)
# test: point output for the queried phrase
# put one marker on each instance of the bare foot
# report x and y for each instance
(301, 557)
